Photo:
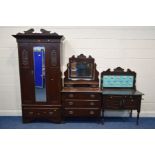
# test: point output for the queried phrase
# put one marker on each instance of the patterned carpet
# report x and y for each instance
(15, 122)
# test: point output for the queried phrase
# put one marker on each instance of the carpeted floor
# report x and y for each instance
(14, 122)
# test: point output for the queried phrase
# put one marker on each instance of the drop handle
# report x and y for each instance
(52, 79)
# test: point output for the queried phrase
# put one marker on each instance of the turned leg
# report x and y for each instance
(103, 117)
(131, 113)
(137, 118)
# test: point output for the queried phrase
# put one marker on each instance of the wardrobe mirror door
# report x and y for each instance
(39, 73)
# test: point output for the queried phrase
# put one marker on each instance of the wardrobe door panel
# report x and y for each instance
(26, 73)
(53, 86)
(53, 55)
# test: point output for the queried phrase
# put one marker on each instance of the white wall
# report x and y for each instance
(128, 47)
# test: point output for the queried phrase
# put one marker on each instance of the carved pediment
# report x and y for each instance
(81, 56)
(118, 69)
(29, 34)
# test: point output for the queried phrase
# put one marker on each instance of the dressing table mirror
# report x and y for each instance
(81, 72)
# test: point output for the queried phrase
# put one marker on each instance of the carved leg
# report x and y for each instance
(137, 118)
(131, 113)
(102, 117)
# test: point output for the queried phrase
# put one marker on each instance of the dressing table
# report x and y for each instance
(81, 95)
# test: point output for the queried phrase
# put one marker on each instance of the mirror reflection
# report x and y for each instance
(81, 70)
(39, 73)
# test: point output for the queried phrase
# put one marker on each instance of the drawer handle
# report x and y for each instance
(71, 112)
(30, 113)
(92, 96)
(92, 103)
(70, 103)
(51, 113)
(38, 113)
(91, 112)
(71, 95)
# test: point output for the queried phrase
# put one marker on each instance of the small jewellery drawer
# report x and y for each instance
(82, 103)
(41, 113)
(80, 112)
(88, 96)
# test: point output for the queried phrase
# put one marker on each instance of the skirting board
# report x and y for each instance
(107, 113)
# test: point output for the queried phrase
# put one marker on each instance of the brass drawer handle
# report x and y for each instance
(31, 113)
(71, 95)
(92, 96)
(70, 103)
(91, 112)
(38, 113)
(70, 112)
(51, 113)
(92, 103)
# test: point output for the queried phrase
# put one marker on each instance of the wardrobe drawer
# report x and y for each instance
(89, 96)
(41, 113)
(82, 103)
(80, 112)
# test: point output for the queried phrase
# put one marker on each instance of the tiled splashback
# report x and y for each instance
(119, 81)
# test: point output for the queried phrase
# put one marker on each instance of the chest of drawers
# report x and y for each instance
(81, 102)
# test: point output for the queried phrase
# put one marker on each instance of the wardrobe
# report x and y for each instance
(40, 75)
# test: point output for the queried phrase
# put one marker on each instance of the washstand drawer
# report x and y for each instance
(119, 97)
(71, 112)
(121, 102)
(41, 113)
(82, 103)
(132, 103)
(93, 96)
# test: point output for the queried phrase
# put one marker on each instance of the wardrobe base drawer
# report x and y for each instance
(41, 114)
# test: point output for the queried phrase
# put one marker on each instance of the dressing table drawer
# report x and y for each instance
(80, 112)
(88, 96)
(82, 103)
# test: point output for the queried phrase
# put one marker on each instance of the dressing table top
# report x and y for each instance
(81, 89)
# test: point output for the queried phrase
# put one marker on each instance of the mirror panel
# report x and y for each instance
(81, 69)
(39, 73)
